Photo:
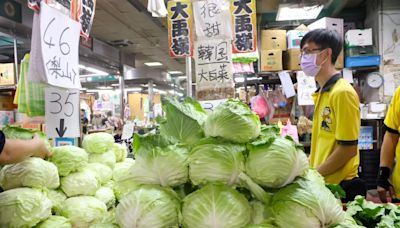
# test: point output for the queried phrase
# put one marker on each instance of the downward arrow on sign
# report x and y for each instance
(62, 130)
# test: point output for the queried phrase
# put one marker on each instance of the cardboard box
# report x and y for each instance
(358, 37)
(328, 23)
(294, 38)
(340, 60)
(273, 39)
(271, 60)
(292, 59)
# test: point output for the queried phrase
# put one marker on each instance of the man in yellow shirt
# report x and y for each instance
(389, 151)
(336, 122)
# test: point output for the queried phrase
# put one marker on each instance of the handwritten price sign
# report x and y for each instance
(59, 40)
(62, 113)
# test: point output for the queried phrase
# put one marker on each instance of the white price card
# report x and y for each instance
(127, 131)
(306, 87)
(62, 113)
(59, 41)
(210, 105)
(287, 84)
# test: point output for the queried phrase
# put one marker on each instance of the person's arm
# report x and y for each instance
(346, 107)
(16, 150)
(388, 149)
(340, 156)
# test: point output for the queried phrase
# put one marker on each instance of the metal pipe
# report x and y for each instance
(122, 88)
(16, 59)
(189, 76)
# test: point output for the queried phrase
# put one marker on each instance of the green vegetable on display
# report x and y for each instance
(55, 222)
(32, 172)
(98, 143)
(80, 183)
(69, 159)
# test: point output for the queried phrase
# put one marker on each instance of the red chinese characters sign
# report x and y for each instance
(244, 21)
(180, 28)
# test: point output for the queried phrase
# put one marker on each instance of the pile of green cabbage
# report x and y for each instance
(219, 170)
(73, 188)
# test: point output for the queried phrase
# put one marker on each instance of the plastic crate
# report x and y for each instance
(362, 61)
(361, 51)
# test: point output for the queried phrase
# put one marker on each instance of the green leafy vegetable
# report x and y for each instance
(184, 121)
(55, 222)
(214, 160)
(57, 198)
(305, 204)
(98, 143)
(234, 121)
(69, 159)
(82, 211)
(103, 172)
(23, 207)
(32, 172)
(276, 163)
(337, 190)
(148, 206)
(122, 169)
(166, 166)
(123, 187)
(107, 158)
(106, 195)
(80, 183)
(13, 132)
(216, 206)
(120, 152)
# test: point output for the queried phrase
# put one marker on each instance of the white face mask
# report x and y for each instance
(309, 65)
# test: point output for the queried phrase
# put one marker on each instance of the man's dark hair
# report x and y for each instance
(325, 38)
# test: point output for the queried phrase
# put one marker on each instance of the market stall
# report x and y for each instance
(132, 141)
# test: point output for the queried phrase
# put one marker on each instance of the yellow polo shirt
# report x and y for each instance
(392, 123)
(336, 121)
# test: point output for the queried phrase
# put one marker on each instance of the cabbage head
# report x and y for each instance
(82, 211)
(69, 159)
(213, 160)
(122, 169)
(57, 198)
(165, 166)
(184, 121)
(305, 204)
(13, 132)
(98, 143)
(32, 172)
(106, 195)
(234, 121)
(103, 172)
(80, 183)
(216, 206)
(109, 221)
(107, 158)
(23, 207)
(123, 187)
(276, 163)
(120, 152)
(148, 206)
(55, 222)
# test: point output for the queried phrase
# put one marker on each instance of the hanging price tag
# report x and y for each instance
(62, 113)
(59, 41)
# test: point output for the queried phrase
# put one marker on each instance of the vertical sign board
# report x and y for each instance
(212, 19)
(180, 29)
(213, 64)
(62, 113)
(244, 26)
(86, 15)
(59, 41)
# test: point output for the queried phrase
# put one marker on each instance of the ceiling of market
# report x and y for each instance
(127, 26)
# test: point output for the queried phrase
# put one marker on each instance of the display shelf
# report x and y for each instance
(8, 88)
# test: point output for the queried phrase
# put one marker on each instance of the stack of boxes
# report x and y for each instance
(292, 56)
(333, 24)
(359, 49)
(273, 43)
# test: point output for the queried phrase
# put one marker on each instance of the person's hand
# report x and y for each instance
(384, 185)
(40, 148)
